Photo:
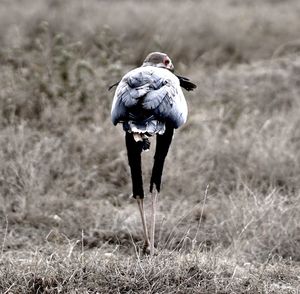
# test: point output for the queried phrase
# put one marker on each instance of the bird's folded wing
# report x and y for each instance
(125, 98)
(160, 95)
(118, 109)
(155, 98)
(133, 87)
(172, 106)
(167, 103)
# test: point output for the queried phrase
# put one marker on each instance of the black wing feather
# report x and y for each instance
(185, 83)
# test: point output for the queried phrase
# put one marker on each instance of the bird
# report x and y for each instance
(149, 101)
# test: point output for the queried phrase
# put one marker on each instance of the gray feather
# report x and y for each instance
(147, 94)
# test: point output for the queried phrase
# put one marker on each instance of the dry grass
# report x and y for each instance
(64, 270)
(229, 209)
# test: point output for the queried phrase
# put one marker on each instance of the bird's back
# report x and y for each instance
(148, 97)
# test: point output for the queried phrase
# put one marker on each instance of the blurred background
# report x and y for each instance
(232, 175)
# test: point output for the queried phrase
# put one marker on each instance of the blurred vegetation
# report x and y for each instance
(231, 181)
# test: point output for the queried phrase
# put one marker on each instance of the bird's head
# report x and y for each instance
(159, 59)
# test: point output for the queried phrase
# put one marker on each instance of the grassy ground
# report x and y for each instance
(229, 211)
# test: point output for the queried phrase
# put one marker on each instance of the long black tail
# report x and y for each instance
(162, 147)
(186, 83)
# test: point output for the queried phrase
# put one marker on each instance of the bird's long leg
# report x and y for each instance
(143, 218)
(134, 150)
(162, 148)
(153, 216)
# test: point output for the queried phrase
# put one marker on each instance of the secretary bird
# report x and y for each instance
(148, 100)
